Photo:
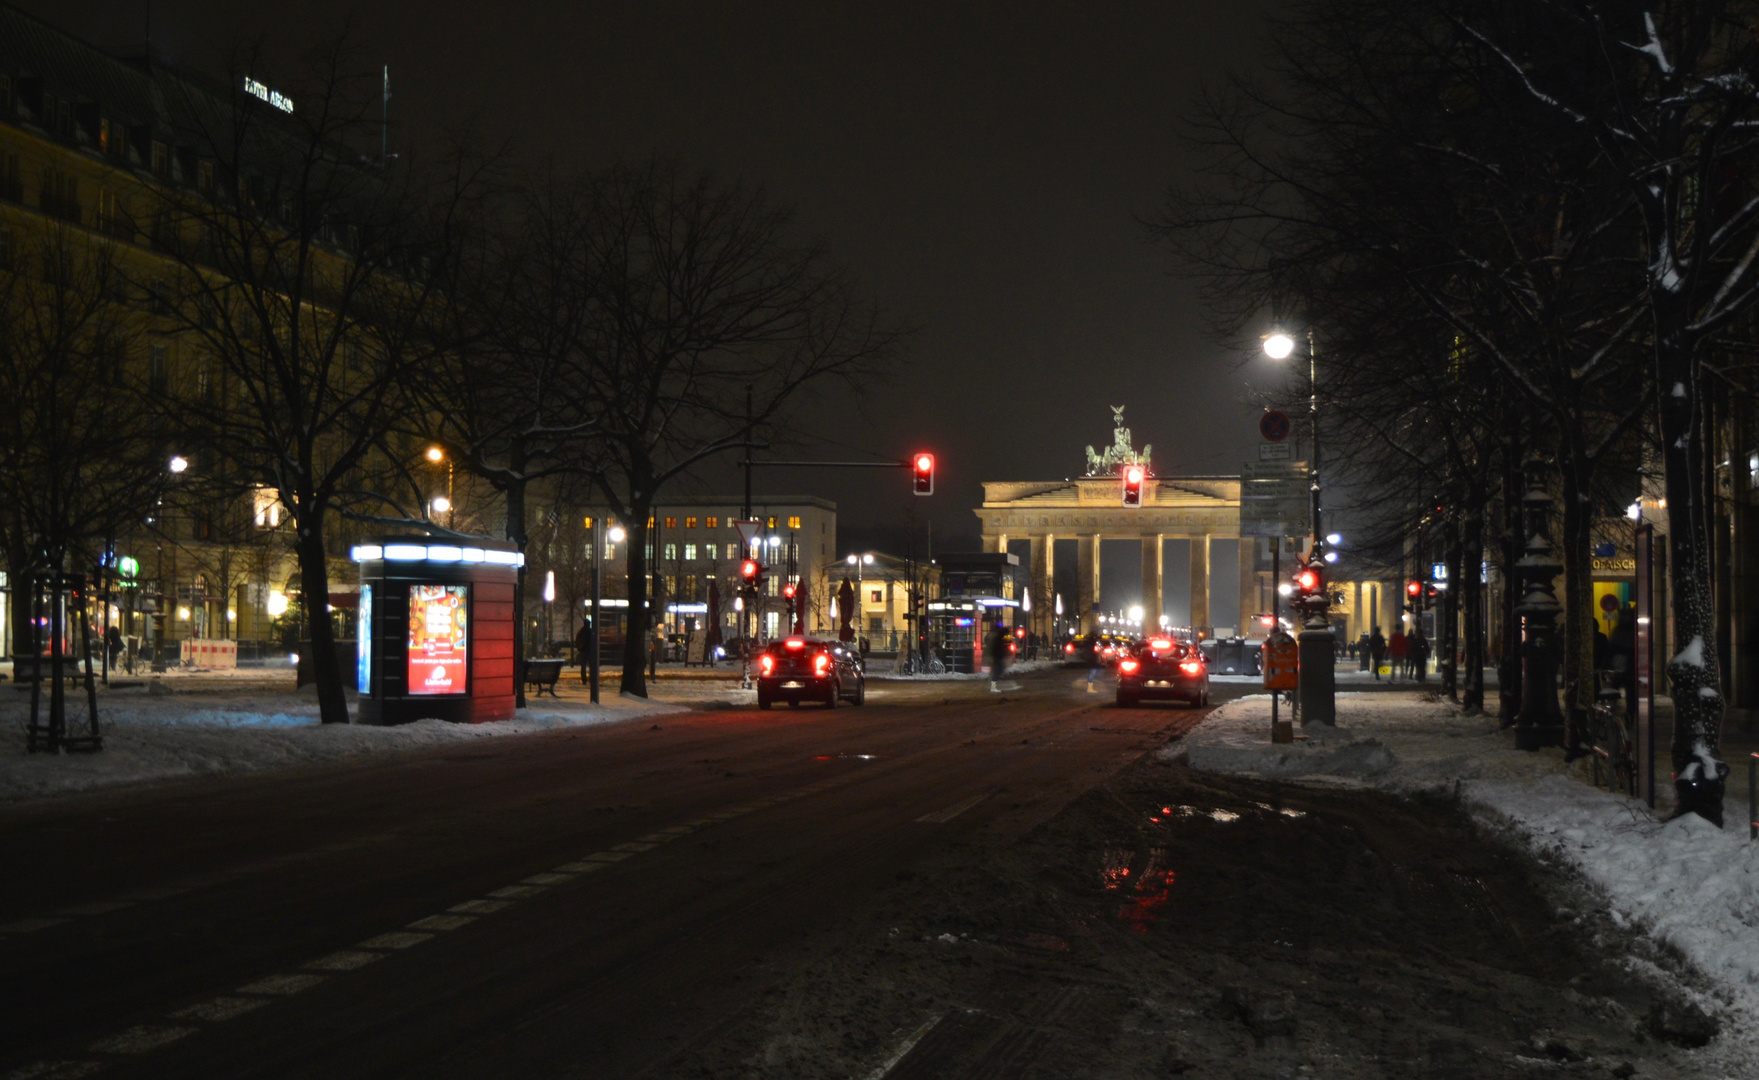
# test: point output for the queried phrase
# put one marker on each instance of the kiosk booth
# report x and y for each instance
(436, 637)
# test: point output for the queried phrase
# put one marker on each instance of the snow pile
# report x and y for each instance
(182, 735)
(1685, 883)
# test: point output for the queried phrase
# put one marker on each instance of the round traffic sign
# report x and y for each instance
(1274, 426)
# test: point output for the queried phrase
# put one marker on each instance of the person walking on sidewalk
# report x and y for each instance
(1398, 651)
(996, 645)
(583, 650)
(1420, 655)
(1376, 652)
(1361, 651)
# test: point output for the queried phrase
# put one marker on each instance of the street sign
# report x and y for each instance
(1274, 426)
(1274, 498)
(1275, 451)
(748, 531)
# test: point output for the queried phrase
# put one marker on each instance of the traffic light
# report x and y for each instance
(751, 573)
(1133, 477)
(924, 468)
(788, 591)
(1309, 582)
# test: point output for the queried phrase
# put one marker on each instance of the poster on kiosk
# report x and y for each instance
(437, 639)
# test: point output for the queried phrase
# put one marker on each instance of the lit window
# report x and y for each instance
(690, 523)
(875, 595)
(689, 552)
(104, 134)
(793, 523)
(671, 551)
(204, 174)
(713, 523)
(268, 507)
(671, 523)
(1753, 470)
(772, 522)
(650, 523)
(732, 551)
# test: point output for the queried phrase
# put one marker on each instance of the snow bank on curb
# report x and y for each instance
(162, 738)
(1684, 883)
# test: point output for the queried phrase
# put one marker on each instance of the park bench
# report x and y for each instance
(542, 674)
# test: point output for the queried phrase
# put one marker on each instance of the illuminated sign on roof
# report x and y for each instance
(273, 97)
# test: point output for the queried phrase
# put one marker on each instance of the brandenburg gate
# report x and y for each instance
(1089, 509)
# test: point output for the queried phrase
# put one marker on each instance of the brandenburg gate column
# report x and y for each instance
(1151, 582)
(1041, 579)
(1199, 581)
(1249, 600)
(1087, 575)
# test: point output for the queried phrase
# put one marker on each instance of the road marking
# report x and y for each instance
(905, 1047)
(101, 908)
(442, 922)
(479, 907)
(551, 878)
(608, 856)
(941, 817)
(55, 1070)
(397, 939)
(140, 1038)
(346, 960)
(634, 846)
(25, 926)
(282, 984)
(582, 867)
(516, 892)
(220, 1008)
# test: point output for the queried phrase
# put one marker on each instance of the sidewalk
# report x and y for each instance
(1683, 883)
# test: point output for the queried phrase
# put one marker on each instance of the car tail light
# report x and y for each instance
(767, 663)
(1128, 666)
(795, 643)
(1160, 644)
(1192, 667)
(821, 663)
(1013, 648)
(1069, 648)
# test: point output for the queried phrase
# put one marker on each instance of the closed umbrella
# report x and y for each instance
(846, 608)
(713, 615)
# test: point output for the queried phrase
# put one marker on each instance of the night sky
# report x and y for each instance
(979, 166)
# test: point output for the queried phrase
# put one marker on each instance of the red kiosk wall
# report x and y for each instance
(491, 665)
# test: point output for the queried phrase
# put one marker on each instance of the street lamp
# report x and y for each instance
(1318, 646)
(436, 455)
(600, 533)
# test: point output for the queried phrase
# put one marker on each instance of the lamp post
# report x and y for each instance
(858, 615)
(437, 455)
(599, 535)
(1317, 645)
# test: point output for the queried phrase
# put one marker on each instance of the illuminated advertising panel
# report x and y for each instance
(437, 638)
(363, 657)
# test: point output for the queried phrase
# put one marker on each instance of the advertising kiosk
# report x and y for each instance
(436, 629)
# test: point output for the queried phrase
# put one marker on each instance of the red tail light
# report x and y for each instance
(767, 663)
(821, 663)
(1192, 667)
(795, 643)
(1013, 648)
(1069, 648)
(1160, 644)
(1128, 666)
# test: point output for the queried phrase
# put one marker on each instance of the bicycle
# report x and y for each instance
(1614, 750)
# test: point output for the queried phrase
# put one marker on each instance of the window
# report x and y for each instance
(6, 94)
(671, 523)
(772, 522)
(650, 523)
(689, 552)
(161, 157)
(876, 596)
(10, 185)
(587, 522)
(104, 134)
(770, 586)
(671, 551)
(107, 217)
(268, 507)
(610, 549)
(713, 523)
(204, 174)
(156, 369)
(60, 195)
(732, 551)
(794, 522)
(690, 523)
(5, 248)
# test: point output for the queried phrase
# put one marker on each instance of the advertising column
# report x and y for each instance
(437, 639)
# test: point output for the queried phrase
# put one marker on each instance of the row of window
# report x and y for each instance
(712, 523)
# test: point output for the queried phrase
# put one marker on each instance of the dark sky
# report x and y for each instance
(977, 165)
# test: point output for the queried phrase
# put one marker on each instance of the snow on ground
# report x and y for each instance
(1684, 883)
(881, 669)
(159, 737)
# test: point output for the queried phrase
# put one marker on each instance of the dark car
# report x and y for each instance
(1232, 656)
(1163, 669)
(1090, 650)
(797, 669)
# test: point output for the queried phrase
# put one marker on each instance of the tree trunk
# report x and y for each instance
(314, 582)
(1693, 674)
(635, 640)
(1471, 588)
(18, 562)
(1578, 523)
(1447, 640)
(517, 534)
(1508, 681)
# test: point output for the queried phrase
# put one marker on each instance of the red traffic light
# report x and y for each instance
(788, 590)
(1415, 588)
(923, 465)
(1133, 477)
(1308, 581)
(749, 570)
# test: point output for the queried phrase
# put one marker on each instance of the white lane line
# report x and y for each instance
(140, 1038)
(101, 908)
(608, 856)
(579, 867)
(282, 984)
(221, 1008)
(442, 922)
(396, 939)
(551, 878)
(516, 892)
(25, 926)
(346, 960)
(941, 817)
(633, 846)
(904, 1047)
(55, 1070)
(480, 907)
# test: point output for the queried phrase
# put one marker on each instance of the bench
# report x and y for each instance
(543, 674)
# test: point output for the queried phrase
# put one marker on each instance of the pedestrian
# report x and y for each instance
(1092, 650)
(1621, 648)
(1376, 650)
(1420, 655)
(113, 644)
(583, 649)
(1362, 651)
(996, 645)
(1398, 652)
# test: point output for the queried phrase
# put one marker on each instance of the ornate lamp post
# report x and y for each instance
(1318, 647)
(1540, 721)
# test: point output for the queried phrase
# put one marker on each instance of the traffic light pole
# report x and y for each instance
(1318, 646)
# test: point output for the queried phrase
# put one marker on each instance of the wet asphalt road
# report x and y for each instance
(598, 902)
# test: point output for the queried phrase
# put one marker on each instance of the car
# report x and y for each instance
(1232, 656)
(1163, 669)
(796, 669)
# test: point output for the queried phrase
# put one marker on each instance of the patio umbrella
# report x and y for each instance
(713, 615)
(846, 608)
